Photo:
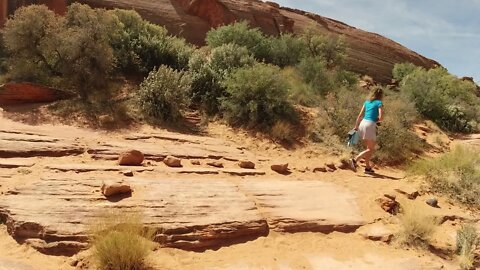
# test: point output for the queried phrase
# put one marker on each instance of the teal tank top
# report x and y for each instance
(371, 110)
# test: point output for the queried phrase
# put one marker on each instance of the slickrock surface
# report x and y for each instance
(305, 205)
(24, 144)
(187, 213)
(18, 93)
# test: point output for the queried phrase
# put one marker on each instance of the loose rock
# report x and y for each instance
(114, 188)
(245, 164)
(215, 164)
(432, 202)
(331, 166)
(320, 169)
(280, 168)
(343, 165)
(388, 204)
(412, 194)
(172, 161)
(131, 158)
(195, 162)
(128, 173)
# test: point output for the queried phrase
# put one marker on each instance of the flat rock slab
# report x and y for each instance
(95, 168)
(191, 214)
(159, 150)
(12, 265)
(18, 144)
(15, 163)
(299, 206)
(188, 214)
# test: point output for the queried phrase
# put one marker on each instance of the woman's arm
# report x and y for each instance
(380, 114)
(360, 117)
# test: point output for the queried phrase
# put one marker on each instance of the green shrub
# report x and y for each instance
(331, 49)
(164, 94)
(286, 50)
(468, 241)
(397, 143)
(449, 102)
(120, 242)
(141, 46)
(400, 71)
(30, 37)
(417, 226)
(314, 71)
(242, 35)
(456, 174)
(257, 96)
(300, 92)
(86, 55)
(209, 68)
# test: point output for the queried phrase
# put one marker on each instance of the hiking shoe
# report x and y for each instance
(353, 164)
(369, 171)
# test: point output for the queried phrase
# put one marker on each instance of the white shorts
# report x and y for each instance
(368, 130)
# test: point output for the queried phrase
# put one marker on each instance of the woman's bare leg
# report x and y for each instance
(368, 153)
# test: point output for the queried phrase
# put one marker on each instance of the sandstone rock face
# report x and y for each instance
(18, 93)
(189, 214)
(131, 158)
(369, 53)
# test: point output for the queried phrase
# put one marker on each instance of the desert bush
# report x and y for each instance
(468, 241)
(400, 71)
(141, 46)
(331, 49)
(286, 50)
(242, 35)
(417, 227)
(30, 37)
(86, 55)
(257, 96)
(164, 94)
(397, 143)
(120, 242)
(283, 132)
(300, 92)
(314, 71)
(209, 68)
(456, 174)
(449, 102)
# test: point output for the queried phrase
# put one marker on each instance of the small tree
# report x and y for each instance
(86, 56)
(164, 94)
(30, 38)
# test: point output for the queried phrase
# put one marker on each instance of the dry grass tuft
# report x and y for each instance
(120, 242)
(417, 226)
(468, 241)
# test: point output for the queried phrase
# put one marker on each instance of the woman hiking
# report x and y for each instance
(370, 116)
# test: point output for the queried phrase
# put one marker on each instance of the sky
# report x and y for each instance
(447, 31)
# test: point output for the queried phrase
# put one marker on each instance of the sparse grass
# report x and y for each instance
(120, 242)
(456, 174)
(283, 132)
(467, 241)
(417, 227)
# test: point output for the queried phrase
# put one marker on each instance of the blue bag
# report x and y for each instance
(353, 137)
